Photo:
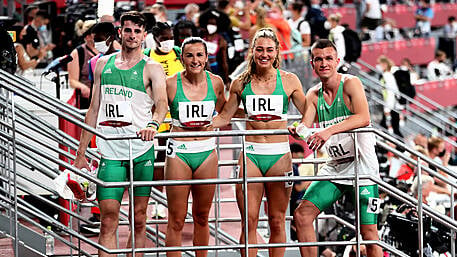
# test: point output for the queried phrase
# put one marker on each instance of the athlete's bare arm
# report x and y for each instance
(230, 107)
(358, 105)
(157, 87)
(91, 115)
(309, 113)
(297, 95)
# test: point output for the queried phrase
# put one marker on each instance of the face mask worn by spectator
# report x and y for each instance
(101, 46)
(211, 29)
(166, 46)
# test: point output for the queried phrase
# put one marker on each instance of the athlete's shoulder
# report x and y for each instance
(289, 78)
(215, 78)
(351, 82)
(172, 78)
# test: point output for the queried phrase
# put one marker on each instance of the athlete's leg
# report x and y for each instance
(370, 232)
(304, 216)
(177, 196)
(278, 196)
(141, 205)
(255, 194)
(202, 197)
(109, 220)
(318, 197)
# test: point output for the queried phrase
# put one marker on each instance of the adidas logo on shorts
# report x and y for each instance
(182, 147)
(250, 148)
(148, 163)
(365, 192)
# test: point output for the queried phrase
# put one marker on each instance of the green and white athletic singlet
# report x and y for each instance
(340, 147)
(125, 108)
(266, 107)
(186, 113)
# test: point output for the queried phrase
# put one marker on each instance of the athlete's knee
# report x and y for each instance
(108, 223)
(201, 218)
(369, 232)
(276, 222)
(303, 216)
(175, 223)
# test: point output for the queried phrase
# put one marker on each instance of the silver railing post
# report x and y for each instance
(419, 208)
(218, 197)
(132, 199)
(13, 124)
(452, 217)
(245, 197)
(316, 221)
(357, 196)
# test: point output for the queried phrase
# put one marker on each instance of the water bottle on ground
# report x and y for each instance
(49, 242)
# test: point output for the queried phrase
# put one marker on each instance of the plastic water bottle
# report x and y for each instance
(49, 242)
(302, 131)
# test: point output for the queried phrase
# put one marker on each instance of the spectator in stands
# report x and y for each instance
(391, 117)
(191, 12)
(276, 18)
(414, 77)
(78, 70)
(386, 31)
(450, 29)
(217, 45)
(407, 170)
(372, 15)
(438, 68)
(424, 15)
(438, 153)
(150, 23)
(160, 13)
(30, 13)
(233, 10)
(260, 22)
(316, 19)
(182, 30)
(29, 55)
(336, 35)
(421, 140)
(298, 22)
(38, 23)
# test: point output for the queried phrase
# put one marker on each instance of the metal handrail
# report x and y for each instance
(253, 180)
(419, 95)
(410, 100)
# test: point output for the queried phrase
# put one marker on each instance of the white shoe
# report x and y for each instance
(158, 212)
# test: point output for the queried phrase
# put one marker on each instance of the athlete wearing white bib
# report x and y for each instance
(194, 97)
(265, 91)
(126, 85)
(339, 104)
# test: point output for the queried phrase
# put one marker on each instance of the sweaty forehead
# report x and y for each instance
(131, 25)
(264, 42)
(328, 51)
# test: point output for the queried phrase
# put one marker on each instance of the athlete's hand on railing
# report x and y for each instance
(147, 134)
(81, 162)
(318, 139)
(293, 131)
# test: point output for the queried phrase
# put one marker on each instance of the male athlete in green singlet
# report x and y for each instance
(126, 86)
(339, 104)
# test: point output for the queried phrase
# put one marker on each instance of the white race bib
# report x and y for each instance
(115, 114)
(212, 47)
(340, 146)
(264, 107)
(196, 114)
(171, 151)
(374, 205)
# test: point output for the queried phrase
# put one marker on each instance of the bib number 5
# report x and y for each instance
(170, 149)
(374, 205)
